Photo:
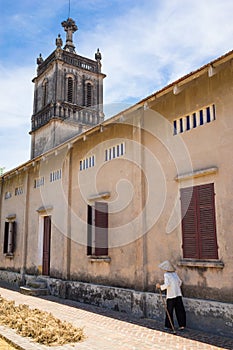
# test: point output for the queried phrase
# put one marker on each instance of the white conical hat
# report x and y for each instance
(167, 266)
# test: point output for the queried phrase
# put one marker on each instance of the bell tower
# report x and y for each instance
(68, 94)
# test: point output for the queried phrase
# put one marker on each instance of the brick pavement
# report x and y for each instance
(109, 330)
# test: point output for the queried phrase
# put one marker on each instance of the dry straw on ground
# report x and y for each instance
(41, 326)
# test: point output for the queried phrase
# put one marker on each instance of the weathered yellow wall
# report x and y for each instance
(144, 203)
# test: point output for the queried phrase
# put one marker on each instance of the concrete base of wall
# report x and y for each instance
(210, 316)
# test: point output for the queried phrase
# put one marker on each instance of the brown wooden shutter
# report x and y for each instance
(206, 221)
(101, 228)
(89, 230)
(46, 246)
(198, 223)
(6, 232)
(13, 237)
(189, 223)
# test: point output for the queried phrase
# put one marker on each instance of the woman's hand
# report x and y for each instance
(157, 285)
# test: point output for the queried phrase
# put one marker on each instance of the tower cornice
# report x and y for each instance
(69, 58)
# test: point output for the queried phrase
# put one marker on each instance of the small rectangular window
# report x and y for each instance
(8, 195)
(208, 115)
(213, 112)
(118, 150)
(87, 163)
(188, 122)
(115, 151)
(18, 191)
(201, 117)
(181, 125)
(122, 149)
(174, 127)
(194, 120)
(55, 175)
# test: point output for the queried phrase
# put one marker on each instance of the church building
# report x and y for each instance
(102, 202)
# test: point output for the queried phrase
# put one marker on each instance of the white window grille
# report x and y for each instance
(87, 162)
(194, 119)
(18, 191)
(39, 182)
(8, 195)
(55, 175)
(115, 151)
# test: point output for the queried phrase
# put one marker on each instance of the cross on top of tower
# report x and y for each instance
(69, 27)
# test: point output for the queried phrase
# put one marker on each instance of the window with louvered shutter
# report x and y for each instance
(198, 222)
(101, 228)
(5, 246)
(9, 237)
(13, 237)
(45, 93)
(189, 223)
(70, 90)
(89, 95)
(89, 230)
(207, 225)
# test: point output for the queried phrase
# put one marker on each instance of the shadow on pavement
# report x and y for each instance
(196, 335)
(203, 337)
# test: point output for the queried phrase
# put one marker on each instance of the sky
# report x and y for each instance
(145, 45)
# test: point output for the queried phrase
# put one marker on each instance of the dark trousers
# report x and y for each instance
(177, 304)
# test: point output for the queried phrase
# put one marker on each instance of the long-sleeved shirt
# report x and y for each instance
(172, 284)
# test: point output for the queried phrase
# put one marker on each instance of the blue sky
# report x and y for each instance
(144, 44)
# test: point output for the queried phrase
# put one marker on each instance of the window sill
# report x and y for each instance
(93, 258)
(201, 263)
(9, 255)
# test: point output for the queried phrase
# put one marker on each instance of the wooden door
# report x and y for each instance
(46, 246)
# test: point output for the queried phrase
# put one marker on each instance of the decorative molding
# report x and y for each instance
(44, 209)
(9, 255)
(197, 173)
(11, 217)
(102, 195)
(94, 258)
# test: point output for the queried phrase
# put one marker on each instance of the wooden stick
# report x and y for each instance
(166, 310)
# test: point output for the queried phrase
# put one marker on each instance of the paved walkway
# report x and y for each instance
(109, 330)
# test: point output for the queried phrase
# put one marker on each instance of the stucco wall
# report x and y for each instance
(143, 200)
(203, 147)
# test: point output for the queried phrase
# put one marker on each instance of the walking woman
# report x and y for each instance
(172, 284)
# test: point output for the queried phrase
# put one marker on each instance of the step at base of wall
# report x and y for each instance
(37, 284)
(34, 291)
